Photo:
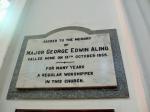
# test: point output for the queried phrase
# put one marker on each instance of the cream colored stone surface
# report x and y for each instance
(75, 68)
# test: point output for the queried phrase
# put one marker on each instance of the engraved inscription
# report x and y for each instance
(68, 59)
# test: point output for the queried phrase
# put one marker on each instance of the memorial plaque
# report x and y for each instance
(70, 63)
(38, 110)
(67, 59)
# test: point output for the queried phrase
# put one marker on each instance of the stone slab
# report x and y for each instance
(120, 89)
(68, 59)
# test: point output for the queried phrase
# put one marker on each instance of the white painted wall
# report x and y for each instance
(139, 22)
(42, 16)
(7, 30)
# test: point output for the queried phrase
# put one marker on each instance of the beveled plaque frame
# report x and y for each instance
(121, 91)
(81, 110)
